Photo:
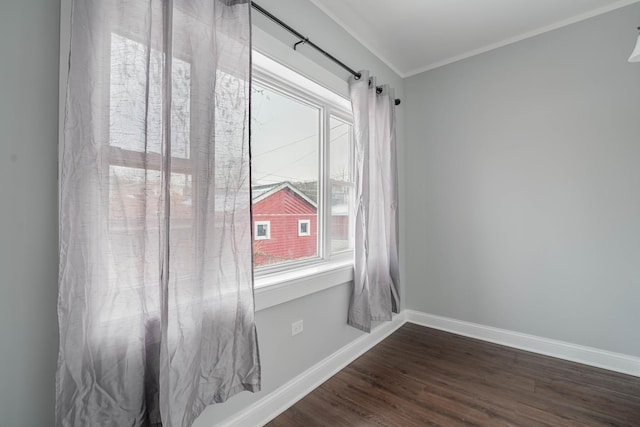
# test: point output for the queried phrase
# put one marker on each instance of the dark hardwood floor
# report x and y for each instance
(424, 377)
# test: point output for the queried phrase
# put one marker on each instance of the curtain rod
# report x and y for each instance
(305, 40)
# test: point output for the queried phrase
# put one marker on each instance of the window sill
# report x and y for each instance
(275, 289)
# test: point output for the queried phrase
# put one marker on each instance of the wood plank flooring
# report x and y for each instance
(424, 377)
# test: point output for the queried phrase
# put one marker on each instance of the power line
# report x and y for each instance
(297, 141)
(294, 161)
(286, 145)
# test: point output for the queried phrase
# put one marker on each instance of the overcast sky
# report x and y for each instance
(285, 139)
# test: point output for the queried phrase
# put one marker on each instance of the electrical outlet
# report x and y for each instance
(297, 327)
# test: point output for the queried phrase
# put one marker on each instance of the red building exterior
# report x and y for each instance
(285, 224)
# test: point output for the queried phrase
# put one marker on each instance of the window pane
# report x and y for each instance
(136, 98)
(341, 180)
(135, 184)
(285, 175)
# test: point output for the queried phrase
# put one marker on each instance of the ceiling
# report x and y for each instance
(412, 36)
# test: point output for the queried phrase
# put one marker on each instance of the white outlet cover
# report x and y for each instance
(297, 327)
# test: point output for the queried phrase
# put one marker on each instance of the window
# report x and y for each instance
(304, 227)
(262, 230)
(134, 164)
(302, 173)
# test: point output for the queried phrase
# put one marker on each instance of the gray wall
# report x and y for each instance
(29, 55)
(523, 170)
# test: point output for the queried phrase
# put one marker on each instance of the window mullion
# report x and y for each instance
(325, 172)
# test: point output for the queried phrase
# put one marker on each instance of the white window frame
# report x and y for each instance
(256, 224)
(326, 269)
(306, 222)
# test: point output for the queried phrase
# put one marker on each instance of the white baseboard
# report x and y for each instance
(575, 353)
(276, 402)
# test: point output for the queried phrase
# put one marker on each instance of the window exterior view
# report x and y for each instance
(302, 173)
(292, 218)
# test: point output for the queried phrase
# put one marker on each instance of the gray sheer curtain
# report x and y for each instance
(376, 292)
(155, 305)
